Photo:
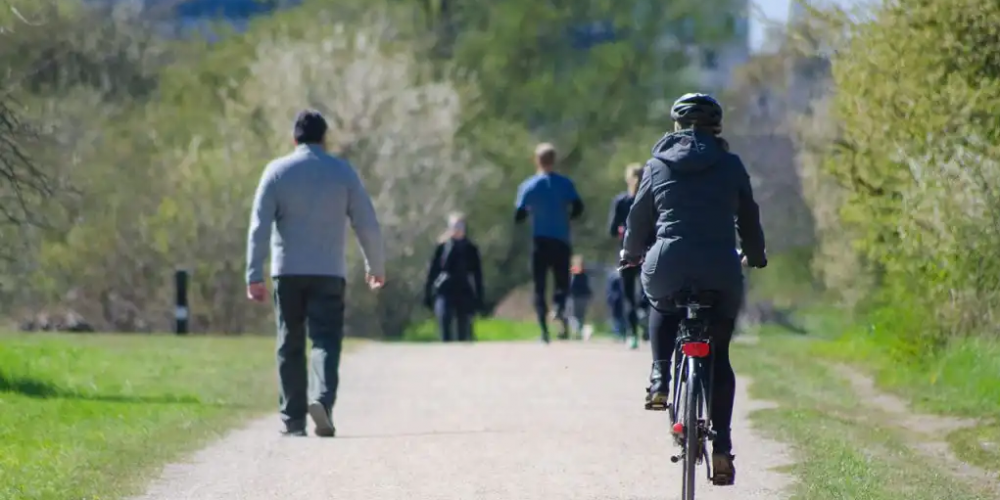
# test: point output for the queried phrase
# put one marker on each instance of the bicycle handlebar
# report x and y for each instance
(624, 264)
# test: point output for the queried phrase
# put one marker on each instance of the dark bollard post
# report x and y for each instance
(181, 312)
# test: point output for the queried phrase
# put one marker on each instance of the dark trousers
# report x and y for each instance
(454, 319)
(549, 254)
(663, 332)
(312, 305)
(631, 287)
(617, 310)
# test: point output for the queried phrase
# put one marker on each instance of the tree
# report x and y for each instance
(585, 76)
(917, 89)
(399, 132)
(22, 181)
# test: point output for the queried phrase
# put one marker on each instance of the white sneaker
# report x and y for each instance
(320, 417)
(586, 332)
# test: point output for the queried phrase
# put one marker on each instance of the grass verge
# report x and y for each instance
(88, 417)
(493, 330)
(961, 380)
(844, 450)
(484, 329)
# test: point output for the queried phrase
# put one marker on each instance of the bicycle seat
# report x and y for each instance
(697, 299)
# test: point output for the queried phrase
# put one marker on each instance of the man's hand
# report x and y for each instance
(257, 292)
(375, 282)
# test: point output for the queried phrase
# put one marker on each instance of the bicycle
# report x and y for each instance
(690, 408)
(690, 411)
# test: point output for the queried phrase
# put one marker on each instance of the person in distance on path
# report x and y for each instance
(614, 298)
(454, 286)
(301, 210)
(691, 191)
(580, 294)
(551, 201)
(617, 221)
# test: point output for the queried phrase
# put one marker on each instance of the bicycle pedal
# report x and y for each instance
(654, 406)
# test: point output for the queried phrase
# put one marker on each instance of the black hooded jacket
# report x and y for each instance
(455, 273)
(693, 199)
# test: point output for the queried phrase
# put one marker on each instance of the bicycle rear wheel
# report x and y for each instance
(692, 440)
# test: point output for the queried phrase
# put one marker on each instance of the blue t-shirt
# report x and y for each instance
(548, 197)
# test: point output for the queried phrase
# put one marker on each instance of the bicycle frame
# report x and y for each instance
(692, 354)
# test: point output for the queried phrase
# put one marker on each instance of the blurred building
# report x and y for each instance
(713, 65)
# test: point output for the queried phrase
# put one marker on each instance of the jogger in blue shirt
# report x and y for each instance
(551, 201)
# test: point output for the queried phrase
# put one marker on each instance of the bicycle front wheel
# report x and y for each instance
(692, 440)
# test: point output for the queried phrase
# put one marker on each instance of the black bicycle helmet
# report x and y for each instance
(697, 109)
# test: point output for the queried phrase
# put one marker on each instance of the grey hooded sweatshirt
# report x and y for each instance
(693, 199)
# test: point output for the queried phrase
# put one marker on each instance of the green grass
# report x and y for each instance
(87, 417)
(493, 330)
(843, 450)
(979, 445)
(961, 379)
(486, 330)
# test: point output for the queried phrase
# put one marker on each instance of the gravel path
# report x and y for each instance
(483, 421)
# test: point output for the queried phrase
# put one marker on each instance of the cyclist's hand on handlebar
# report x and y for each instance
(746, 263)
(625, 263)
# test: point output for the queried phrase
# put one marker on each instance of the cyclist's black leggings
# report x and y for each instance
(663, 336)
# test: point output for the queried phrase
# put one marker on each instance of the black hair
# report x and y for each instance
(310, 127)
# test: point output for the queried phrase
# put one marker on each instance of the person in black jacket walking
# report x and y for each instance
(617, 222)
(454, 288)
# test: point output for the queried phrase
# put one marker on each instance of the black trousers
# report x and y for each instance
(313, 306)
(632, 287)
(663, 336)
(454, 318)
(549, 254)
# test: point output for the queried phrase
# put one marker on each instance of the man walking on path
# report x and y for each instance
(308, 197)
(552, 201)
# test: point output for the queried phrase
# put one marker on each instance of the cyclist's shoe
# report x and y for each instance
(321, 417)
(723, 470)
(657, 401)
(658, 392)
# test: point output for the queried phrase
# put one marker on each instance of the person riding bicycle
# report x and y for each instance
(617, 220)
(680, 229)
(552, 201)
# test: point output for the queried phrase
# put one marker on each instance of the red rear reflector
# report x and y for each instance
(696, 349)
(678, 428)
